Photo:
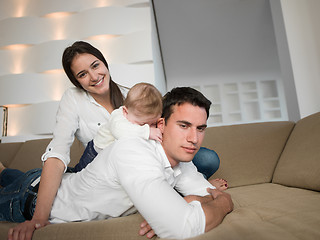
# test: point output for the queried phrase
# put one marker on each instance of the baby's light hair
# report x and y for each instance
(144, 99)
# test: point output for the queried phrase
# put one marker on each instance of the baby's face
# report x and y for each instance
(151, 120)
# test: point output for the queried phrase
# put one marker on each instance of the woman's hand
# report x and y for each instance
(50, 180)
(24, 231)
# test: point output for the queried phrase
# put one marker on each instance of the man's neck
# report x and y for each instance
(172, 162)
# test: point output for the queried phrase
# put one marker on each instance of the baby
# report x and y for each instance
(137, 117)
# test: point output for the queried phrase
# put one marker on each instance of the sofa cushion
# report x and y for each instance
(122, 228)
(8, 152)
(270, 211)
(248, 152)
(29, 155)
(299, 165)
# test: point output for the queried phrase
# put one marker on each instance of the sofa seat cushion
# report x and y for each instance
(116, 228)
(263, 211)
(270, 211)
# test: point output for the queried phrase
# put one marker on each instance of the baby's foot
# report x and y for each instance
(219, 183)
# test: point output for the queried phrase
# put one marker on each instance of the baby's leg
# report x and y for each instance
(219, 183)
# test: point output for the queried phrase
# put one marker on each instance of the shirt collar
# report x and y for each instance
(91, 99)
(165, 161)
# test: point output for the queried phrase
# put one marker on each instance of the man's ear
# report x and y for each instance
(160, 124)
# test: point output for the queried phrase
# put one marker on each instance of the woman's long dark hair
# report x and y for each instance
(79, 47)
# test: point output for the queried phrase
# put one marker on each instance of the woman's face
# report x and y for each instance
(91, 73)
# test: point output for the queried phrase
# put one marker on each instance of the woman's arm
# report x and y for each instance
(50, 180)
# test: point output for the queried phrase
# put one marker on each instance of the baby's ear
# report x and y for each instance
(160, 124)
(125, 111)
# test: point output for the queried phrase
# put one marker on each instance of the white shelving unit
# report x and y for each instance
(244, 102)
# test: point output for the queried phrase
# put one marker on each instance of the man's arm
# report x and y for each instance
(149, 185)
(217, 208)
(215, 211)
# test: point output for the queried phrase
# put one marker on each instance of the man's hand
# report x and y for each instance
(190, 198)
(145, 229)
(155, 134)
(217, 209)
(24, 231)
(214, 192)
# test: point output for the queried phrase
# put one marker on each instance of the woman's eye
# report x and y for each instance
(96, 65)
(81, 75)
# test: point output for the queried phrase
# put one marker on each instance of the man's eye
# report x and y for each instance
(201, 129)
(183, 126)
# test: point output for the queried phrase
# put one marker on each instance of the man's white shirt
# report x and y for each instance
(134, 174)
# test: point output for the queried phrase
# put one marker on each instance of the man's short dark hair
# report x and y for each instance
(181, 95)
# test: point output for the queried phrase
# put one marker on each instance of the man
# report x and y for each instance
(136, 174)
(183, 122)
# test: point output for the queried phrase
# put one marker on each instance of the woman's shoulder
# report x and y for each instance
(74, 93)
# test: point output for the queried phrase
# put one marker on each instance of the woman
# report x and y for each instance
(81, 111)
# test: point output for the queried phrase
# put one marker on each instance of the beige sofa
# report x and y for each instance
(273, 170)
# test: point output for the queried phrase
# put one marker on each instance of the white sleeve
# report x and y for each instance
(143, 178)
(103, 137)
(191, 182)
(67, 122)
(120, 126)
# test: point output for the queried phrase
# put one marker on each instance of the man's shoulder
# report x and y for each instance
(133, 143)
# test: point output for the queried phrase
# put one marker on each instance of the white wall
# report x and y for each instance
(34, 34)
(212, 45)
(302, 20)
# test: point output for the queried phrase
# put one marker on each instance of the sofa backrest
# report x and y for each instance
(27, 155)
(248, 152)
(8, 151)
(299, 165)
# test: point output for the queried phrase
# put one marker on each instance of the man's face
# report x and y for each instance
(184, 132)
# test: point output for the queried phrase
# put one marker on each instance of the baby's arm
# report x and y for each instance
(120, 126)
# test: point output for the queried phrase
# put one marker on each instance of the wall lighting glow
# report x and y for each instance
(13, 128)
(16, 47)
(16, 67)
(54, 71)
(21, 7)
(103, 3)
(58, 14)
(60, 32)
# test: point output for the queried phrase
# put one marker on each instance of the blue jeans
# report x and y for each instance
(88, 155)
(206, 160)
(14, 194)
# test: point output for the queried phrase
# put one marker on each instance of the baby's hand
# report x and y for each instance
(155, 134)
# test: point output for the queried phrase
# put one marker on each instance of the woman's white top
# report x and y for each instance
(78, 115)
